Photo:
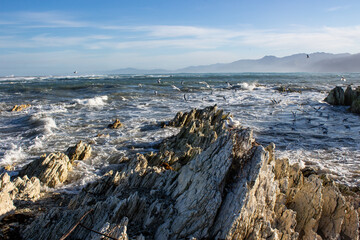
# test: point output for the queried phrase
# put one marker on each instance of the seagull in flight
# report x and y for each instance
(175, 88)
(206, 84)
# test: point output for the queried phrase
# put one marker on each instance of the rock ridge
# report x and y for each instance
(207, 182)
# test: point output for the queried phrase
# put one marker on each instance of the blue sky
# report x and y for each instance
(42, 37)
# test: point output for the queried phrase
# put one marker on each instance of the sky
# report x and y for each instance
(49, 37)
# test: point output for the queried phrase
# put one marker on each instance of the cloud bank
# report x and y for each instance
(43, 35)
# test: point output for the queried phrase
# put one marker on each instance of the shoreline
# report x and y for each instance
(201, 131)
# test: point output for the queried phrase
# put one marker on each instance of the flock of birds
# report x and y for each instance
(230, 122)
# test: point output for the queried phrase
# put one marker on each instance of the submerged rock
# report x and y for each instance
(116, 124)
(18, 108)
(81, 151)
(52, 169)
(222, 185)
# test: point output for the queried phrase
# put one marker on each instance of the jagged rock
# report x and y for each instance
(336, 96)
(52, 170)
(231, 188)
(200, 128)
(81, 151)
(116, 124)
(18, 108)
(6, 200)
(20, 189)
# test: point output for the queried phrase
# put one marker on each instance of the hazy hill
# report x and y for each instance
(316, 62)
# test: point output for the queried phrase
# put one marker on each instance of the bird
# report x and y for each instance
(140, 85)
(228, 85)
(75, 72)
(231, 123)
(343, 79)
(206, 84)
(307, 56)
(159, 81)
(155, 92)
(175, 88)
(185, 97)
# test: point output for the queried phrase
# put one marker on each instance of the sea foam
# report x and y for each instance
(93, 102)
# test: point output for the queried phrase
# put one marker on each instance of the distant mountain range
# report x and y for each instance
(302, 62)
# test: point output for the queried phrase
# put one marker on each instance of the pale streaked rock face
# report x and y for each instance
(217, 183)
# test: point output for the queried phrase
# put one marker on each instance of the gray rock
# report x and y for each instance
(231, 188)
(20, 189)
(52, 170)
(355, 106)
(81, 151)
(350, 95)
(336, 96)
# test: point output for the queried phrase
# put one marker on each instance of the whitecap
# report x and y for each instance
(247, 86)
(13, 155)
(45, 122)
(93, 102)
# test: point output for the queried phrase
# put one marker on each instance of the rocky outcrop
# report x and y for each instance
(20, 189)
(18, 108)
(351, 97)
(199, 129)
(52, 169)
(81, 151)
(116, 124)
(336, 96)
(230, 187)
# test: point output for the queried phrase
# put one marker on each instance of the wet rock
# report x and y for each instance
(116, 124)
(355, 106)
(20, 189)
(52, 169)
(284, 89)
(81, 151)
(230, 187)
(351, 97)
(18, 108)
(336, 96)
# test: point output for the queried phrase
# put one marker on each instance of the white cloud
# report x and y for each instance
(50, 41)
(150, 46)
(51, 19)
(326, 39)
(337, 8)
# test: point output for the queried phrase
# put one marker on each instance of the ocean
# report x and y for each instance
(66, 109)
